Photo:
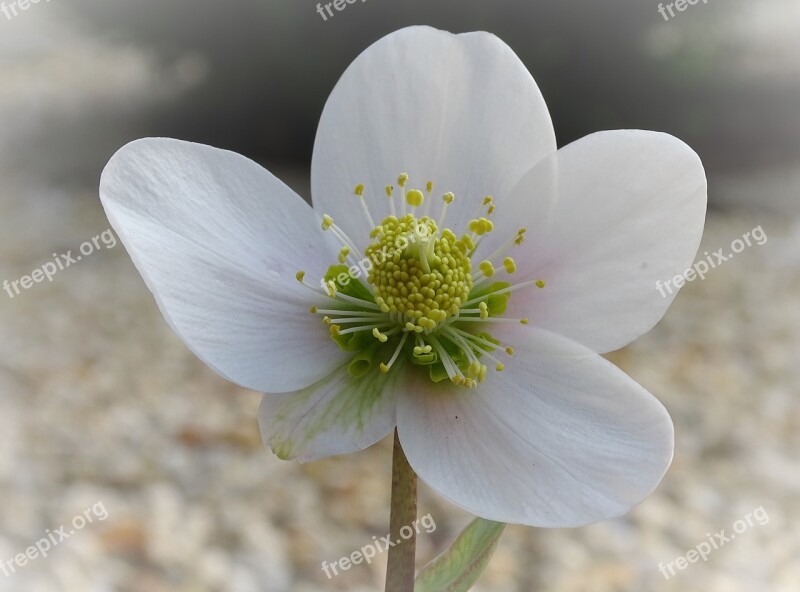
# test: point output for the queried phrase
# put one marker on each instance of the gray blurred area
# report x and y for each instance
(253, 75)
(99, 401)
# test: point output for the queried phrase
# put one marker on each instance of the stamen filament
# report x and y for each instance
(333, 311)
(364, 328)
(516, 241)
(339, 296)
(537, 283)
(449, 365)
(352, 320)
(487, 320)
(428, 190)
(385, 367)
(447, 198)
(342, 236)
(360, 194)
(390, 195)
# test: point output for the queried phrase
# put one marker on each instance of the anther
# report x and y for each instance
(509, 265)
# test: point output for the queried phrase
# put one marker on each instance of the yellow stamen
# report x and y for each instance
(415, 197)
(510, 265)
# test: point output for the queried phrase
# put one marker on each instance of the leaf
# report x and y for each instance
(463, 562)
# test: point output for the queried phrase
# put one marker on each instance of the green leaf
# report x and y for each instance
(463, 562)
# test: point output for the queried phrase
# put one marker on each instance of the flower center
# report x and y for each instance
(426, 276)
(423, 301)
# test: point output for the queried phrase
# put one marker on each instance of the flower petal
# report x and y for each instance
(337, 415)
(560, 438)
(608, 217)
(459, 110)
(218, 240)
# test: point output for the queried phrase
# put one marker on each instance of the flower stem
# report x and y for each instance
(400, 569)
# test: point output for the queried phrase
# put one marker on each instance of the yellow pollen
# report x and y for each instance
(487, 200)
(469, 244)
(510, 351)
(313, 310)
(415, 197)
(487, 268)
(484, 310)
(510, 265)
(389, 191)
(379, 336)
(384, 368)
(343, 254)
(540, 283)
(300, 276)
(481, 226)
(429, 186)
(327, 222)
(500, 367)
(448, 197)
(402, 180)
(524, 321)
(359, 190)
(419, 273)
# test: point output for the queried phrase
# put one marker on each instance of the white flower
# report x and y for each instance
(501, 399)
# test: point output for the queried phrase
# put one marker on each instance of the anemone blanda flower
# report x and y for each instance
(457, 277)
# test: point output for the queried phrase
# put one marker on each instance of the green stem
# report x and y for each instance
(400, 569)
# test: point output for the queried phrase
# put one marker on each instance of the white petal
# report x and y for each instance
(218, 240)
(338, 415)
(608, 217)
(561, 438)
(459, 110)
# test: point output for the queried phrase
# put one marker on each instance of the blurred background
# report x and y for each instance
(101, 403)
